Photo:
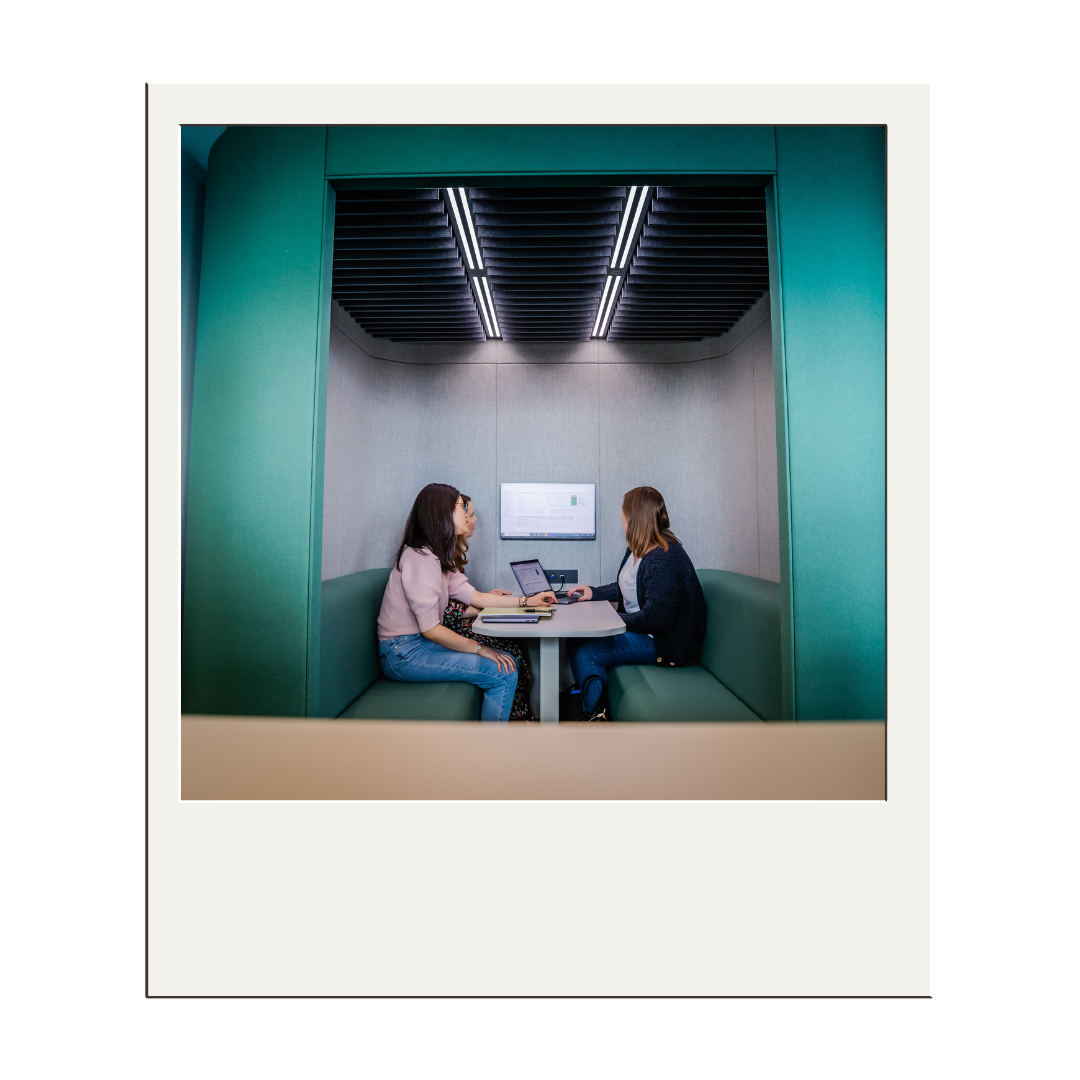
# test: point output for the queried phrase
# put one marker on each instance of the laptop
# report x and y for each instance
(531, 579)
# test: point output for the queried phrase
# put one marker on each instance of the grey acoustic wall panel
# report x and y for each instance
(548, 418)
(734, 453)
(348, 430)
(702, 432)
(657, 429)
(390, 429)
(548, 352)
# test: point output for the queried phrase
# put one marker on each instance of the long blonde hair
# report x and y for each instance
(647, 524)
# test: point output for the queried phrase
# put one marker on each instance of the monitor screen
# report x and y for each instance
(547, 512)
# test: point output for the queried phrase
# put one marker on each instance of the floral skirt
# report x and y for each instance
(454, 619)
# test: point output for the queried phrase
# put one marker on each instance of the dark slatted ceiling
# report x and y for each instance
(546, 252)
(397, 269)
(702, 260)
(699, 262)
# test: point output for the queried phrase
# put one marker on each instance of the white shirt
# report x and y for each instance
(628, 585)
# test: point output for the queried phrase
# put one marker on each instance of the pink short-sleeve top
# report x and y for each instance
(416, 595)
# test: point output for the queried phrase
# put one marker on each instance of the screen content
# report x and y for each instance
(547, 512)
(530, 577)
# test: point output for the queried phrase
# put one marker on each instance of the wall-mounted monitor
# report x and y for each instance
(547, 512)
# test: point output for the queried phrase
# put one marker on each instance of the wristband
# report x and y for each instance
(523, 601)
(479, 648)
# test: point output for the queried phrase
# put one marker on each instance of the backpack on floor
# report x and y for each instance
(570, 705)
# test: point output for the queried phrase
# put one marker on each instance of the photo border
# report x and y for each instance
(838, 904)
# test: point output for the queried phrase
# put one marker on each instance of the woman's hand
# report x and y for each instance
(471, 612)
(546, 597)
(502, 660)
(586, 592)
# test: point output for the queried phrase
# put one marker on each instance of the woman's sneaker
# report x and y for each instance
(593, 686)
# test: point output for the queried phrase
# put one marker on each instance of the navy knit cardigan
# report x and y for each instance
(671, 603)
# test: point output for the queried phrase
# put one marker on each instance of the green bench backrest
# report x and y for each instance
(742, 638)
(349, 661)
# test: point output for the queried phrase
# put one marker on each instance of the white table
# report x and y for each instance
(587, 618)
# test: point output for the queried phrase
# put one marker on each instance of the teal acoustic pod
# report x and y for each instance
(829, 358)
(252, 595)
(192, 197)
(504, 153)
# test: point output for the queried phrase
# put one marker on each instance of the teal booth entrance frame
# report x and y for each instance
(255, 473)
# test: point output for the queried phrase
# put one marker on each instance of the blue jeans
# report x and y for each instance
(412, 658)
(593, 656)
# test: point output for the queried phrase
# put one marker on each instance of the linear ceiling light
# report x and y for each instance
(491, 304)
(472, 231)
(485, 302)
(622, 227)
(460, 228)
(633, 230)
(600, 309)
(483, 307)
(610, 307)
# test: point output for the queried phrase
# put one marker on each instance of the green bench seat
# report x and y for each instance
(351, 685)
(687, 694)
(737, 677)
(385, 699)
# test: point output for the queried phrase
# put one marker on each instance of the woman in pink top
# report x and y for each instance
(414, 646)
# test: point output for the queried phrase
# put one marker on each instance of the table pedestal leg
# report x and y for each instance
(549, 680)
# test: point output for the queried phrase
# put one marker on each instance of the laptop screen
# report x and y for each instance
(530, 576)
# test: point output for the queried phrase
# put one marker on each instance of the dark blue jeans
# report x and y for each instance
(593, 656)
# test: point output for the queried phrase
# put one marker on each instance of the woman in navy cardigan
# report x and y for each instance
(659, 597)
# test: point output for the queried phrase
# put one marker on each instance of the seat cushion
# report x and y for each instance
(688, 694)
(388, 700)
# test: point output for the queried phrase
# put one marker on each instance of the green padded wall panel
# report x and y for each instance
(254, 481)
(830, 222)
(350, 647)
(742, 638)
(787, 632)
(478, 151)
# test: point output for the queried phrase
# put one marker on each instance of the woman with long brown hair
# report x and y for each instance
(659, 597)
(414, 646)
